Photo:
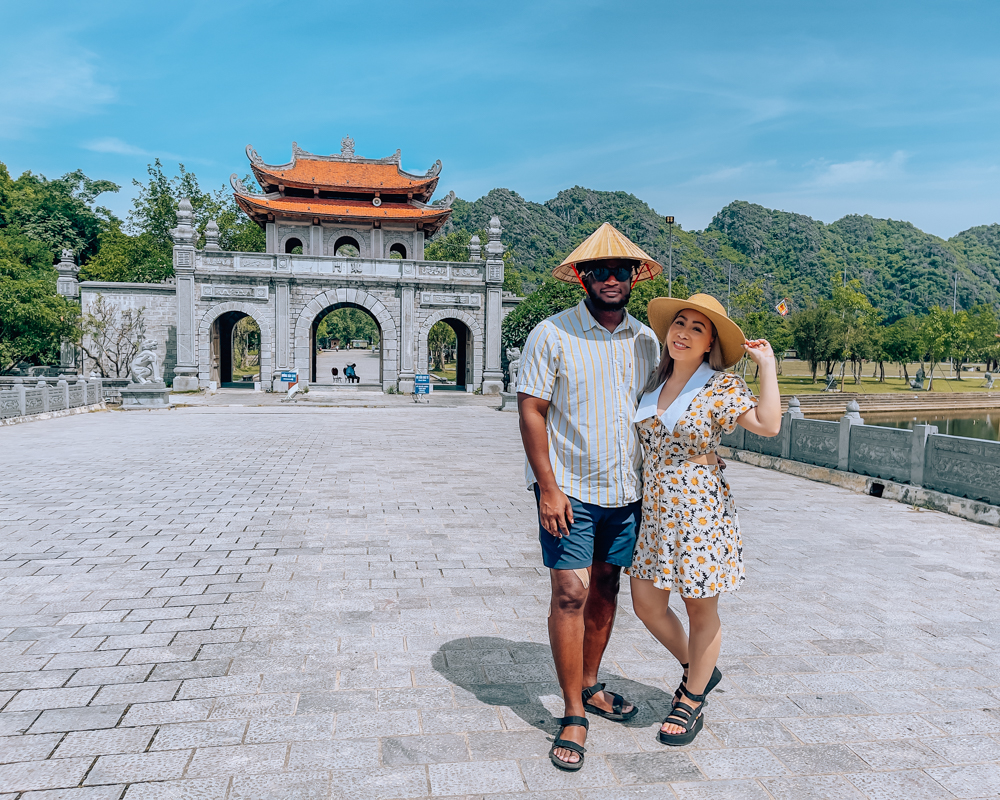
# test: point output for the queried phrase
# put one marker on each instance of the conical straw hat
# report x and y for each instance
(604, 243)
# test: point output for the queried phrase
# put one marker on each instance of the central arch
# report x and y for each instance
(473, 346)
(317, 307)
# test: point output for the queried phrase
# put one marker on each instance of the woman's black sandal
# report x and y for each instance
(712, 682)
(617, 704)
(690, 719)
(579, 749)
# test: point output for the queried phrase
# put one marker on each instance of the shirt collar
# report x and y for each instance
(630, 323)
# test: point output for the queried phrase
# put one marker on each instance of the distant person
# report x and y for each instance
(351, 374)
(334, 372)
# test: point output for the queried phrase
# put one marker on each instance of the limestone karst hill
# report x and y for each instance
(902, 268)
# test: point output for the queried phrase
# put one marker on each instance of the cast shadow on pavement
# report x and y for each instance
(518, 675)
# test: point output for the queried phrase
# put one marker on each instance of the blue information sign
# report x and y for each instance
(422, 384)
(290, 377)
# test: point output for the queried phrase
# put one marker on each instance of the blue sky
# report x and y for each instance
(889, 109)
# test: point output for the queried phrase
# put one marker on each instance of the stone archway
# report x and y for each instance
(350, 297)
(475, 330)
(205, 338)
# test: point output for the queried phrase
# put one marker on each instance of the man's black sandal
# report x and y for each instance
(712, 682)
(617, 704)
(690, 719)
(579, 749)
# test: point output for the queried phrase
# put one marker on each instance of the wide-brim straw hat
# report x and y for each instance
(605, 243)
(662, 310)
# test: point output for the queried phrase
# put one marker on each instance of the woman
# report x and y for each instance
(689, 536)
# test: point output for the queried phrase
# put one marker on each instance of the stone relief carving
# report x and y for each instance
(254, 158)
(255, 263)
(212, 292)
(444, 202)
(240, 188)
(218, 261)
(450, 299)
(357, 269)
(407, 269)
(145, 367)
(182, 258)
(347, 147)
(465, 272)
(815, 441)
(438, 271)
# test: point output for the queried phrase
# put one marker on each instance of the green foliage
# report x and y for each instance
(33, 318)
(344, 325)
(512, 282)
(644, 291)
(129, 259)
(901, 342)
(551, 297)
(453, 246)
(440, 337)
(817, 334)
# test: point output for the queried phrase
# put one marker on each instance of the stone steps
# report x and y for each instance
(875, 403)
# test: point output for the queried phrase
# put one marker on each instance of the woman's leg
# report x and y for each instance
(651, 605)
(704, 645)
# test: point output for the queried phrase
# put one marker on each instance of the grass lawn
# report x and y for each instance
(796, 379)
(448, 373)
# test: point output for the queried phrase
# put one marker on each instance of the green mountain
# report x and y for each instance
(902, 269)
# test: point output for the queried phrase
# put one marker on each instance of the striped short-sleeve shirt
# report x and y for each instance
(592, 378)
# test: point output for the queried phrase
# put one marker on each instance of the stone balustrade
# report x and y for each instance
(42, 397)
(920, 457)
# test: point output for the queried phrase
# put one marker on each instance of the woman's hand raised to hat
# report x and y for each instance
(759, 350)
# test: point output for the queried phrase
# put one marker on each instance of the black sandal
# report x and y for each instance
(690, 719)
(617, 704)
(712, 682)
(579, 749)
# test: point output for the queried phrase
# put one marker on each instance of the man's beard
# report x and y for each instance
(603, 305)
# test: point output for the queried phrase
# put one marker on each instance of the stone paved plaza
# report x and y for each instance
(253, 603)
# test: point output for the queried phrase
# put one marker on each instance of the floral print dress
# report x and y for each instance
(690, 534)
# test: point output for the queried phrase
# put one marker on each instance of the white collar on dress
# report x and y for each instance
(650, 400)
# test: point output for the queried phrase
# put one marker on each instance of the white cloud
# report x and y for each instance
(48, 81)
(111, 144)
(862, 171)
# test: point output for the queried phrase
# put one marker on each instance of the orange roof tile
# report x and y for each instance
(344, 176)
(356, 209)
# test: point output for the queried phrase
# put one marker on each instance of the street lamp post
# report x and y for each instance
(670, 256)
(729, 296)
(954, 297)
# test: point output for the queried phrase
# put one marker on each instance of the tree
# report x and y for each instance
(858, 315)
(818, 336)
(550, 298)
(33, 317)
(644, 291)
(758, 321)
(112, 337)
(344, 325)
(129, 259)
(440, 337)
(901, 343)
(936, 330)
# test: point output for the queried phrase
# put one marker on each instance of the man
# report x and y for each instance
(580, 377)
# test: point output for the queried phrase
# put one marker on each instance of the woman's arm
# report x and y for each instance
(765, 419)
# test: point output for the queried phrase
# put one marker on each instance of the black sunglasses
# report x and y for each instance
(601, 274)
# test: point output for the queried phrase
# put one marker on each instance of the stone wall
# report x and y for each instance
(159, 304)
(26, 399)
(921, 457)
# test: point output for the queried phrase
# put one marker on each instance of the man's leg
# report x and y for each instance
(599, 621)
(566, 636)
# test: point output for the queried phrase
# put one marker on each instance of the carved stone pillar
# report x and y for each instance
(184, 236)
(418, 245)
(794, 412)
(407, 340)
(315, 240)
(852, 416)
(68, 286)
(918, 452)
(282, 334)
(378, 244)
(270, 237)
(492, 373)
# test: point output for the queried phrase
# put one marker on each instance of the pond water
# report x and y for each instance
(974, 424)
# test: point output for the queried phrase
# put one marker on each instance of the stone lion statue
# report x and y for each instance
(513, 365)
(144, 367)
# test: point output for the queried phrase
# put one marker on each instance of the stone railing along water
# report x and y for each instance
(920, 457)
(20, 399)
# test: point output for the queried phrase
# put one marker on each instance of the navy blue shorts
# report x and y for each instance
(598, 533)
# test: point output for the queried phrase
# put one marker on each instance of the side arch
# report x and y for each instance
(259, 313)
(293, 233)
(357, 297)
(423, 356)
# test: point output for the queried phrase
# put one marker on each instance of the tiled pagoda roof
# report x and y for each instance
(262, 206)
(344, 172)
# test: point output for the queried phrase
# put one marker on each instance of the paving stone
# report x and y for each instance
(962, 749)
(137, 767)
(13, 723)
(55, 773)
(719, 790)
(425, 749)
(284, 786)
(198, 789)
(819, 759)
(27, 748)
(39, 699)
(972, 780)
(746, 762)
(347, 754)
(290, 729)
(378, 784)
(815, 787)
(213, 733)
(376, 723)
(748, 734)
(665, 767)
(461, 779)
(110, 741)
(459, 720)
(163, 713)
(107, 792)
(896, 755)
(243, 759)
(77, 719)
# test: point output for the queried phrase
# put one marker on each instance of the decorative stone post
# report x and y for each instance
(852, 416)
(22, 406)
(407, 370)
(68, 286)
(282, 336)
(918, 452)
(794, 412)
(475, 248)
(212, 235)
(185, 236)
(43, 387)
(492, 374)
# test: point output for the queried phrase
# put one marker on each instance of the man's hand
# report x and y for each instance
(555, 512)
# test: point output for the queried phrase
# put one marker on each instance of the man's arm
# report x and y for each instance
(554, 509)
